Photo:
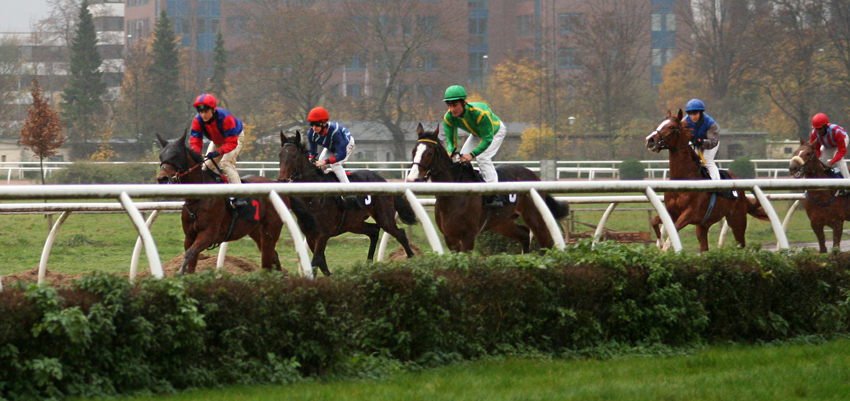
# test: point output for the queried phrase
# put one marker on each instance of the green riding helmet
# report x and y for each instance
(455, 92)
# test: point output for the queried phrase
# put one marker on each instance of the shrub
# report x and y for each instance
(632, 169)
(743, 168)
(93, 173)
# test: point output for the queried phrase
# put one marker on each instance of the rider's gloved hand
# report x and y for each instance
(698, 142)
(213, 154)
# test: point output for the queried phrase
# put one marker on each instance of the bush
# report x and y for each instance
(743, 168)
(93, 173)
(632, 169)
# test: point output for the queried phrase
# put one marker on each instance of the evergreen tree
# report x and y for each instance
(82, 105)
(218, 83)
(167, 112)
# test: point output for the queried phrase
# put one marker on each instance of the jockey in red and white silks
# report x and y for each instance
(830, 142)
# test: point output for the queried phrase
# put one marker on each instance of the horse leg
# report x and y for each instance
(319, 255)
(392, 229)
(817, 227)
(837, 230)
(516, 232)
(374, 233)
(702, 237)
(656, 226)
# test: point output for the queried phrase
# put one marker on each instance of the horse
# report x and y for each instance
(207, 222)
(702, 209)
(823, 206)
(334, 215)
(462, 218)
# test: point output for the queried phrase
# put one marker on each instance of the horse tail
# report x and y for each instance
(405, 212)
(559, 209)
(755, 209)
(306, 220)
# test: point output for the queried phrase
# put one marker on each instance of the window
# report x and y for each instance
(524, 24)
(237, 24)
(568, 58)
(358, 61)
(215, 25)
(663, 22)
(660, 57)
(353, 90)
(478, 26)
(185, 27)
(200, 25)
(569, 23)
(476, 60)
(427, 24)
(426, 60)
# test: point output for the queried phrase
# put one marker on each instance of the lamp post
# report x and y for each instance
(484, 71)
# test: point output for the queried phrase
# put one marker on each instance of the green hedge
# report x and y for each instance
(106, 336)
(97, 173)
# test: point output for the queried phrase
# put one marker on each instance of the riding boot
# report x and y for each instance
(493, 201)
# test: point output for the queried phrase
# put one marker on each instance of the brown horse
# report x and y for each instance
(208, 222)
(333, 215)
(702, 209)
(823, 206)
(462, 218)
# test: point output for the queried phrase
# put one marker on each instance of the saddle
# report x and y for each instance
(351, 202)
(724, 175)
(507, 199)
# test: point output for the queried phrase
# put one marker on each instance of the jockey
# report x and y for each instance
(706, 135)
(833, 142)
(224, 132)
(335, 140)
(487, 135)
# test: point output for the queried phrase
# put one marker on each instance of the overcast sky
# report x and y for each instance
(18, 15)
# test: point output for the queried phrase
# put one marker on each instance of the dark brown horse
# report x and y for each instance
(462, 218)
(824, 207)
(702, 209)
(333, 215)
(207, 222)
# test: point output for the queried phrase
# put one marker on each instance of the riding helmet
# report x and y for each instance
(318, 114)
(205, 99)
(819, 120)
(455, 92)
(694, 105)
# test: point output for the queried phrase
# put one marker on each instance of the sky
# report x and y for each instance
(18, 15)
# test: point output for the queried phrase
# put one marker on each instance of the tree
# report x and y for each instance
(42, 131)
(290, 74)
(82, 105)
(218, 82)
(137, 90)
(398, 42)
(167, 111)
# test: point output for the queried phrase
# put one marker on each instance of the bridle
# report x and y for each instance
(429, 170)
(663, 141)
(297, 173)
(805, 165)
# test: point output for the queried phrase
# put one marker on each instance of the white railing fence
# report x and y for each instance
(127, 193)
(587, 169)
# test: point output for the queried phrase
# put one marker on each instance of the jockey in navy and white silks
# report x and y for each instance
(830, 142)
(224, 132)
(706, 135)
(335, 140)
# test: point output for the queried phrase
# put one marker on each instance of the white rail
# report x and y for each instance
(125, 193)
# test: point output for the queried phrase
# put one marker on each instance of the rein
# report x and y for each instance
(296, 174)
(429, 171)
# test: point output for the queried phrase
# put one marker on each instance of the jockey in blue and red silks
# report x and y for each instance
(224, 132)
(336, 142)
(830, 142)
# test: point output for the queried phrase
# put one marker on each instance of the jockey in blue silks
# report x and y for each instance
(706, 135)
(335, 140)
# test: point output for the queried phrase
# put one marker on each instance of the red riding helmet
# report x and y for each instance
(318, 114)
(819, 120)
(205, 99)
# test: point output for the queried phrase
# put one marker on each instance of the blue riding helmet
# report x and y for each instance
(694, 105)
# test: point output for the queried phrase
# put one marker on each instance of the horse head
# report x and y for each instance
(172, 159)
(805, 162)
(427, 149)
(291, 156)
(670, 134)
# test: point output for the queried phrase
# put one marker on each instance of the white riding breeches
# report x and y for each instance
(826, 154)
(227, 161)
(708, 158)
(337, 167)
(485, 159)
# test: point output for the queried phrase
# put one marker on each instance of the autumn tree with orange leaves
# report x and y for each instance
(42, 132)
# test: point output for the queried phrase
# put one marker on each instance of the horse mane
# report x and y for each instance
(302, 148)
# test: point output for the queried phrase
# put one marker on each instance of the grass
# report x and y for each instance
(109, 239)
(775, 373)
